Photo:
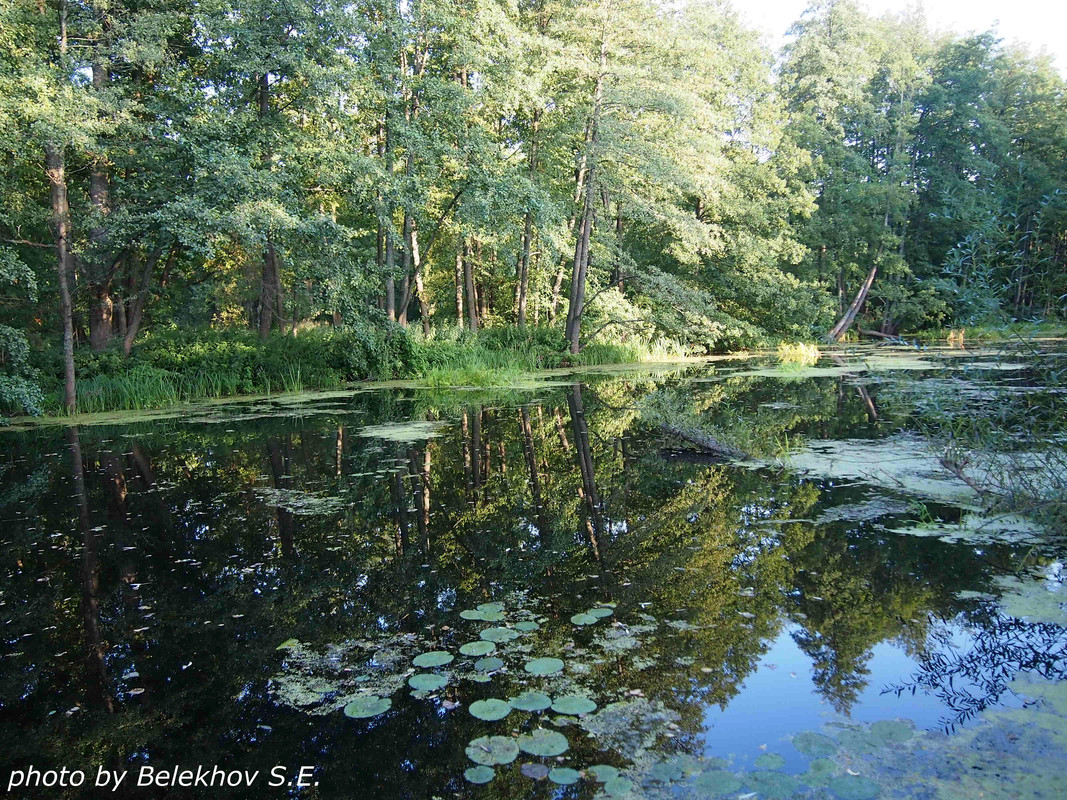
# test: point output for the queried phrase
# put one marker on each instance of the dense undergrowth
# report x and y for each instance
(176, 366)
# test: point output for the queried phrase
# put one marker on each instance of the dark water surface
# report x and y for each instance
(217, 587)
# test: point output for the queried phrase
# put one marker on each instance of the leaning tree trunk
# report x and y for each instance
(55, 167)
(841, 328)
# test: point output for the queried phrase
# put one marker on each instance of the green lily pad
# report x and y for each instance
(819, 772)
(573, 705)
(369, 706)
(564, 776)
(479, 774)
(491, 750)
(583, 619)
(531, 701)
(288, 644)
(499, 634)
(853, 787)
(526, 626)
(600, 612)
(544, 666)
(435, 658)
(481, 677)
(772, 785)
(490, 710)
(479, 648)
(662, 772)
(814, 745)
(472, 614)
(715, 782)
(427, 682)
(544, 743)
(536, 771)
(618, 787)
(770, 761)
(490, 608)
(891, 731)
(602, 773)
(860, 742)
(488, 664)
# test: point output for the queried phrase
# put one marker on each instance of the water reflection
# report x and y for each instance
(154, 569)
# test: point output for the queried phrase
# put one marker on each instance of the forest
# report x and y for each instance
(237, 196)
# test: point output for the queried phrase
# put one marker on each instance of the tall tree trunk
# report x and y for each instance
(100, 275)
(267, 291)
(468, 283)
(459, 285)
(55, 168)
(581, 249)
(523, 287)
(268, 278)
(138, 301)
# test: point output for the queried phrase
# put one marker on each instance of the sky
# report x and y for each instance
(1036, 23)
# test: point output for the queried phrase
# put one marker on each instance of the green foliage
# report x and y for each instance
(174, 366)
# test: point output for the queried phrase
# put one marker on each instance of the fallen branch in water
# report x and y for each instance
(704, 441)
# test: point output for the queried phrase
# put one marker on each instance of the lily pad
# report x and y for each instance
(819, 773)
(853, 787)
(472, 614)
(490, 710)
(490, 608)
(491, 750)
(531, 701)
(715, 782)
(891, 730)
(662, 772)
(544, 666)
(481, 677)
(814, 745)
(427, 682)
(770, 761)
(600, 612)
(583, 619)
(542, 742)
(860, 742)
(772, 785)
(573, 705)
(479, 648)
(369, 706)
(564, 776)
(602, 773)
(479, 774)
(618, 787)
(499, 634)
(536, 771)
(488, 664)
(435, 658)
(526, 626)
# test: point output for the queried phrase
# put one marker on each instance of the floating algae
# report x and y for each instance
(404, 432)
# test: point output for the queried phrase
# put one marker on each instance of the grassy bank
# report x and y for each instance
(172, 367)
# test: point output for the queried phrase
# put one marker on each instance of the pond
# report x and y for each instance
(534, 591)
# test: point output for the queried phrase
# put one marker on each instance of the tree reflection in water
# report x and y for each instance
(189, 550)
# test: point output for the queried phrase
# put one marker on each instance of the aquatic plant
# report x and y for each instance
(369, 706)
